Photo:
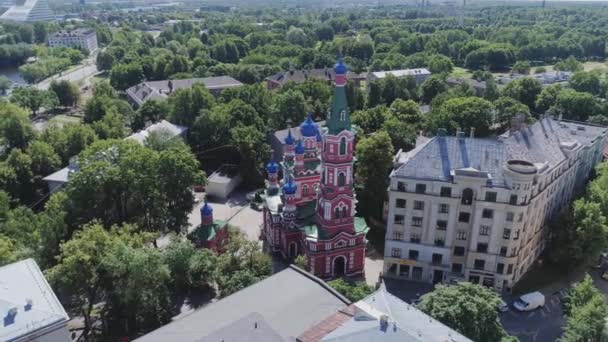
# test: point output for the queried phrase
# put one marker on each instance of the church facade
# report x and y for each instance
(311, 211)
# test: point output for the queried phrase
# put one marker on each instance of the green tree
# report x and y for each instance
(524, 90)
(467, 308)
(151, 111)
(5, 84)
(34, 99)
(186, 104)
(574, 105)
(463, 113)
(432, 87)
(67, 93)
(547, 97)
(521, 67)
(354, 291)
(296, 36)
(586, 310)
(370, 120)
(105, 61)
(569, 64)
(123, 76)
(15, 127)
(69, 140)
(506, 109)
(290, 105)
(374, 161)
(250, 144)
(440, 64)
(586, 82)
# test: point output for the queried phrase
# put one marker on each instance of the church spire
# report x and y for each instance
(338, 118)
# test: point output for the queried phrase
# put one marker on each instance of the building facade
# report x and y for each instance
(79, 38)
(470, 209)
(312, 212)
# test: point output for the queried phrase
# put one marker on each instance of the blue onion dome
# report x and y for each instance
(308, 127)
(290, 188)
(340, 68)
(299, 148)
(289, 140)
(319, 136)
(272, 167)
(206, 210)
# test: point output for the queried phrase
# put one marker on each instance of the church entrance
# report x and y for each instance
(293, 250)
(339, 266)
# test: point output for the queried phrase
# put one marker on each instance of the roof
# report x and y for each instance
(30, 10)
(290, 302)
(73, 33)
(251, 328)
(19, 282)
(62, 175)
(224, 174)
(206, 233)
(470, 81)
(300, 76)
(160, 89)
(405, 323)
(401, 73)
(540, 144)
(281, 135)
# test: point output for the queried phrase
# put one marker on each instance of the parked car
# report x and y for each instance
(530, 301)
(502, 306)
(199, 188)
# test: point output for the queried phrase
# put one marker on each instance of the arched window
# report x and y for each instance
(304, 190)
(344, 212)
(336, 213)
(343, 146)
(341, 179)
(467, 197)
(343, 115)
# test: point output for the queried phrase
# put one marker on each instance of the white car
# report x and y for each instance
(530, 301)
(502, 307)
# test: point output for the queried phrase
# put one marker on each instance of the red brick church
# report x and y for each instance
(311, 212)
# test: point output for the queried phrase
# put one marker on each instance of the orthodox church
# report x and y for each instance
(311, 212)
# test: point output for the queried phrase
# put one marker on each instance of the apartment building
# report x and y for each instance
(80, 38)
(470, 209)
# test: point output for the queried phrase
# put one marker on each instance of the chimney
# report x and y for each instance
(472, 135)
(383, 322)
(10, 316)
(255, 325)
(28, 304)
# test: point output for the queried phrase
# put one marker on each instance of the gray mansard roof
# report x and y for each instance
(540, 144)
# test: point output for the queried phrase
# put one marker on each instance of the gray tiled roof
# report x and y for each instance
(290, 302)
(160, 89)
(299, 76)
(251, 328)
(539, 143)
(20, 281)
(405, 323)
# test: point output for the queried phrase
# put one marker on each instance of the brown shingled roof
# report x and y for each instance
(329, 324)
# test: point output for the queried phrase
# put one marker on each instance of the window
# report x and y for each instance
(415, 237)
(510, 269)
(467, 197)
(397, 235)
(484, 230)
(305, 190)
(513, 200)
(399, 219)
(458, 251)
(413, 254)
(513, 251)
(490, 196)
(417, 221)
(401, 186)
(404, 270)
(444, 208)
(473, 279)
(420, 188)
(418, 205)
(500, 268)
(461, 235)
(503, 251)
(516, 235)
(446, 191)
(341, 179)
(344, 212)
(520, 217)
(457, 268)
(480, 264)
(437, 258)
(396, 253)
(442, 225)
(400, 203)
(336, 213)
(464, 217)
(506, 233)
(343, 146)
(487, 213)
(510, 216)
(482, 247)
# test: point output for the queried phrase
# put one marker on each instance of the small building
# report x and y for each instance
(81, 38)
(223, 181)
(276, 309)
(380, 317)
(28, 11)
(298, 76)
(160, 90)
(211, 234)
(419, 74)
(478, 86)
(58, 179)
(545, 78)
(29, 307)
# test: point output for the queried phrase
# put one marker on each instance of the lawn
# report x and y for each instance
(461, 73)
(63, 119)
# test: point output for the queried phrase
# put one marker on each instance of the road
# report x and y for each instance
(75, 75)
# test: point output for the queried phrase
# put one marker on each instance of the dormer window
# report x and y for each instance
(343, 115)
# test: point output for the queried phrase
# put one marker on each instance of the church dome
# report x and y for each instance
(206, 210)
(272, 167)
(308, 127)
(299, 148)
(290, 188)
(340, 68)
(289, 140)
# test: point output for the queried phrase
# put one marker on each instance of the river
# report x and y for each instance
(12, 72)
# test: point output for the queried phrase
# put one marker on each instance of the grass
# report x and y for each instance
(461, 73)
(63, 119)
